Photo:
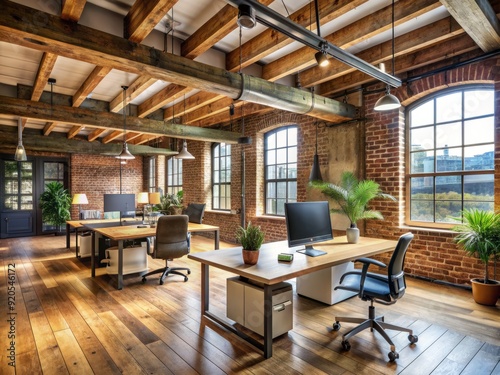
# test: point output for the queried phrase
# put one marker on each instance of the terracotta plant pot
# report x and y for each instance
(485, 294)
(250, 256)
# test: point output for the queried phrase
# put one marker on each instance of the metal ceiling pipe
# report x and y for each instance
(257, 90)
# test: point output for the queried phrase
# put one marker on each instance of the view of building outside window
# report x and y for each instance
(451, 155)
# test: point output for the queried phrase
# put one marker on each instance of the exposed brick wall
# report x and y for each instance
(433, 253)
(97, 175)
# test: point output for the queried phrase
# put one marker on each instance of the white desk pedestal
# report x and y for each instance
(320, 285)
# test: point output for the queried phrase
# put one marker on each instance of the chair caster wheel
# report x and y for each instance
(393, 356)
(336, 326)
(185, 279)
(189, 272)
(144, 280)
(161, 281)
(413, 338)
(346, 345)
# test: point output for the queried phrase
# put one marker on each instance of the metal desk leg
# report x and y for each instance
(205, 289)
(76, 239)
(268, 322)
(120, 265)
(68, 228)
(216, 239)
(92, 255)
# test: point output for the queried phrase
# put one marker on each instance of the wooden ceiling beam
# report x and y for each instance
(207, 110)
(95, 134)
(410, 42)
(168, 94)
(133, 91)
(72, 9)
(224, 117)
(432, 54)
(33, 141)
(49, 126)
(107, 120)
(478, 19)
(74, 131)
(91, 82)
(144, 16)
(111, 136)
(193, 103)
(354, 33)
(270, 40)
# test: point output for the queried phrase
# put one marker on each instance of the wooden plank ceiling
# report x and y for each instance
(180, 60)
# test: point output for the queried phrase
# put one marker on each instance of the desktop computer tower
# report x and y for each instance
(245, 305)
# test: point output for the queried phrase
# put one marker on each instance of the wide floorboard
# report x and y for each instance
(56, 319)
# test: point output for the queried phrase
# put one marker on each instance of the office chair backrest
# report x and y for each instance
(396, 274)
(172, 239)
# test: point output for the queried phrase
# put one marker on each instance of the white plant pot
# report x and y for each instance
(352, 235)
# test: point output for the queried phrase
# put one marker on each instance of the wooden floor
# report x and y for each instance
(66, 322)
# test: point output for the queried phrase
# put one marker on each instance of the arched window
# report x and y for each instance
(221, 176)
(450, 164)
(174, 175)
(280, 163)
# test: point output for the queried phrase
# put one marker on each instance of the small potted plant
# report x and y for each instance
(353, 196)
(171, 204)
(251, 239)
(479, 236)
(55, 203)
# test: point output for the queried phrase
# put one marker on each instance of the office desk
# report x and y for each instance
(77, 224)
(130, 232)
(269, 271)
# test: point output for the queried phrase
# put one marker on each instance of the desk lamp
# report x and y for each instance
(80, 199)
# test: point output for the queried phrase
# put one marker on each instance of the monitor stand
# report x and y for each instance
(310, 251)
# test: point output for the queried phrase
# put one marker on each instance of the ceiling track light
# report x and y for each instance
(388, 102)
(125, 154)
(246, 17)
(320, 56)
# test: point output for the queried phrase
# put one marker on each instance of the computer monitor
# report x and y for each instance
(122, 203)
(308, 223)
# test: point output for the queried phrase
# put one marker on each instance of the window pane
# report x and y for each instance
(10, 169)
(489, 206)
(281, 156)
(292, 136)
(292, 155)
(447, 210)
(449, 188)
(449, 159)
(292, 191)
(478, 103)
(271, 141)
(281, 189)
(280, 207)
(271, 190)
(422, 138)
(449, 135)
(271, 172)
(281, 139)
(422, 188)
(479, 157)
(479, 187)
(271, 157)
(479, 131)
(423, 114)
(292, 171)
(449, 107)
(422, 211)
(421, 162)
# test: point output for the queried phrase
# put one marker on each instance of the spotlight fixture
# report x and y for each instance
(246, 17)
(184, 154)
(20, 154)
(322, 58)
(388, 101)
(125, 154)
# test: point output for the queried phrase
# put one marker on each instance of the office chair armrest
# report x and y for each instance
(149, 248)
(370, 261)
(189, 241)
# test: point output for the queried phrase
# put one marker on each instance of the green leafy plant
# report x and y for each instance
(251, 237)
(55, 203)
(170, 203)
(479, 236)
(353, 196)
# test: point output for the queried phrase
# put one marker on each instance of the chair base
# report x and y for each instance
(373, 322)
(167, 271)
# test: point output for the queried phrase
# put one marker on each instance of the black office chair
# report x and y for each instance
(172, 241)
(377, 288)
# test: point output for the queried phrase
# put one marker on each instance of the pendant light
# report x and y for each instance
(125, 154)
(20, 154)
(184, 153)
(388, 101)
(315, 170)
(246, 17)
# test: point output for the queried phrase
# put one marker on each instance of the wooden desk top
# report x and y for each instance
(128, 232)
(82, 223)
(269, 271)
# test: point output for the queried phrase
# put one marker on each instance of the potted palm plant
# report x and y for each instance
(353, 196)
(251, 239)
(55, 203)
(479, 236)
